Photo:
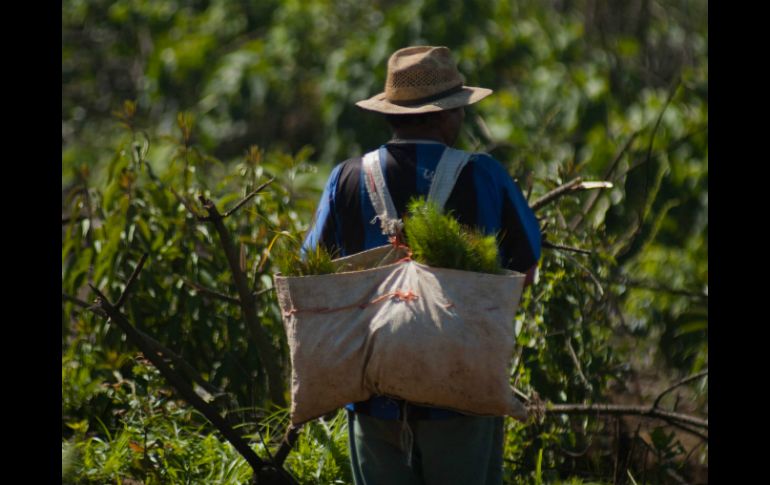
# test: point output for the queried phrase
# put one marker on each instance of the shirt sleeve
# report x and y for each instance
(519, 236)
(324, 229)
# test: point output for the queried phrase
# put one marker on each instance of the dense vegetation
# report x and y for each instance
(164, 101)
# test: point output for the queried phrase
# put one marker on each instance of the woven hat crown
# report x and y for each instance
(415, 73)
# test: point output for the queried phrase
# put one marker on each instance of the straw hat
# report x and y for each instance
(423, 79)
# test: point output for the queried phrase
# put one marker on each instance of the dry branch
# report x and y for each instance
(548, 245)
(571, 186)
(617, 409)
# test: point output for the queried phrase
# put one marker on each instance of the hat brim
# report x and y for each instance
(467, 95)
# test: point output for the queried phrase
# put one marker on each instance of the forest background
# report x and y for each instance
(164, 101)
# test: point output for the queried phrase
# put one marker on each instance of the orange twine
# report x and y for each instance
(398, 295)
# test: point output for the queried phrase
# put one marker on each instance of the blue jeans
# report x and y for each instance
(464, 450)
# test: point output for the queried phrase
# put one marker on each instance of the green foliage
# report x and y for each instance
(437, 239)
(292, 261)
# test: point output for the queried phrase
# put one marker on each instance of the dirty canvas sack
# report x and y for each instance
(432, 336)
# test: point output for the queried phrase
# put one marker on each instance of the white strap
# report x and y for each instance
(447, 171)
(379, 194)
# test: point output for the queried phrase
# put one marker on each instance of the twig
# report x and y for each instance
(679, 383)
(214, 293)
(549, 245)
(578, 219)
(189, 206)
(182, 387)
(130, 281)
(248, 197)
(572, 354)
(616, 409)
(76, 301)
(654, 286)
(690, 430)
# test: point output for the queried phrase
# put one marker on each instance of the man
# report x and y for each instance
(423, 102)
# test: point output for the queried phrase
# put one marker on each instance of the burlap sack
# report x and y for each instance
(431, 336)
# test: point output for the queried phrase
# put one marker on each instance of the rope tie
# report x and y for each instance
(398, 295)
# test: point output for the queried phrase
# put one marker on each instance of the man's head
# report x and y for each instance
(424, 93)
(437, 125)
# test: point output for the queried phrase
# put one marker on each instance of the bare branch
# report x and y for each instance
(679, 383)
(548, 245)
(616, 409)
(555, 194)
(188, 206)
(654, 286)
(248, 197)
(207, 291)
(572, 186)
(76, 301)
(576, 361)
(130, 281)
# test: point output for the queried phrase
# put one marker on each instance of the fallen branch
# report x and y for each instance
(617, 409)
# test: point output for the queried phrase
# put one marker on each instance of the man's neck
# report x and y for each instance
(419, 136)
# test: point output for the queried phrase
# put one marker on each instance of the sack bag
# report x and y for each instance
(388, 325)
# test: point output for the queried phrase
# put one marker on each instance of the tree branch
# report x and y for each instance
(652, 286)
(248, 197)
(189, 206)
(214, 293)
(616, 409)
(571, 186)
(548, 245)
(267, 354)
(186, 392)
(130, 281)
(679, 383)
(76, 301)
(286, 444)
(555, 194)
(589, 204)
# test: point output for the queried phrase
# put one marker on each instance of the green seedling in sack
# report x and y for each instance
(438, 239)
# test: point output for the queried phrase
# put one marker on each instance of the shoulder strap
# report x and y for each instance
(448, 170)
(379, 194)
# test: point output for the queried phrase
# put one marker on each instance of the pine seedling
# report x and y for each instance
(439, 240)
